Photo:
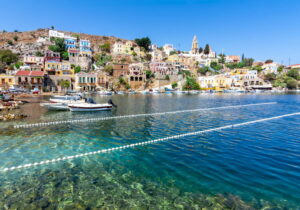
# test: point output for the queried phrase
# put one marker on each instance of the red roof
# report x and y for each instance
(30, 73)
(294, 65)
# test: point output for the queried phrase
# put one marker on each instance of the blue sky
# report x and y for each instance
(260, 29)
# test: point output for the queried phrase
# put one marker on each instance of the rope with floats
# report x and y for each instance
(55, 160)
(43, 124)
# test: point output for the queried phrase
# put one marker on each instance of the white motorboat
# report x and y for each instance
(86, 107)
(105, 93)
(144, 92)
(90, 105)
(66, 101)
(56, 106)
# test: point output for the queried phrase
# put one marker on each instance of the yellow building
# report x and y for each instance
(127, 48)
(7, 81)
(52, 66)
(173, 58)
(239, 71)
(217, 82)
(65, 69)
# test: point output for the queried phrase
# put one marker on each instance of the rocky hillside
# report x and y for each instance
(25, 42)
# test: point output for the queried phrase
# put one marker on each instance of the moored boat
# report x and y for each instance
(86, 107)
(56, 106)
(90, 105)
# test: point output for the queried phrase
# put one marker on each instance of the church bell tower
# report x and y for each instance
(195, 47)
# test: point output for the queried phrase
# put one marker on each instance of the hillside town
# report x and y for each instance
(57, 62)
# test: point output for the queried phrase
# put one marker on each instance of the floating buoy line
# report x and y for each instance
(42, 124)
(55, 160)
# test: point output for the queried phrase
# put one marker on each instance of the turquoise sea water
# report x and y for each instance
(255, 166)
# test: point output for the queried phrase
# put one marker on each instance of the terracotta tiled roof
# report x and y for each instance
(23, 73)
(37, 73)
(30, 73)
(234, 57)
(294, 65)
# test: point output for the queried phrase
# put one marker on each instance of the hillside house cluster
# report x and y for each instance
(130, 62)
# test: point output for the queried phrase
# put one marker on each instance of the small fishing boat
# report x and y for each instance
(56, 106)
(144, 92)
(90, 105)
(65, 99)
(120, 92)
(105, 93)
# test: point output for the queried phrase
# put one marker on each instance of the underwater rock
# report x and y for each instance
(103, 188)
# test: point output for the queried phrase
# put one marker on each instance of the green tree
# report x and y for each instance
(174, 85)
(191, 84)
(149, 74)
(222, 58)
(203, 70)
(105, 47)
(109, 69)
(269, 61)
(248, 61)
(174, 52)
(10, 42)
(102, 59)
(123, 82)
(7, 57)
(39, 54)
(52, 27)
(144, 42)
(280, 69)
(65, 55)
(257, 68)
(16, 30)
(167, 77)
(59, 46)
(294, 73)
(270, 76)
(216, 66)
(148, 57)
(206, 49)
(77, 69)
(16, 38)
(18, 64)
(200, 50)
(65, 84)
(292, 83)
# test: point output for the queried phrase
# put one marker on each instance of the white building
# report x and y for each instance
(86, 81)
(31, 59)
(270, 68)
(167, 48)
(125, 48)
(57, 34)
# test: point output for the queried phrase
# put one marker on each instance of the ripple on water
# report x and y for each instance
(258, 163)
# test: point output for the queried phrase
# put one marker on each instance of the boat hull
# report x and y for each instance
(83, 108)
(55, 106)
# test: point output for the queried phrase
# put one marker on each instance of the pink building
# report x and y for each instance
(162, 69)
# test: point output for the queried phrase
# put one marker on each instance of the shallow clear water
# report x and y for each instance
(256, 165)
